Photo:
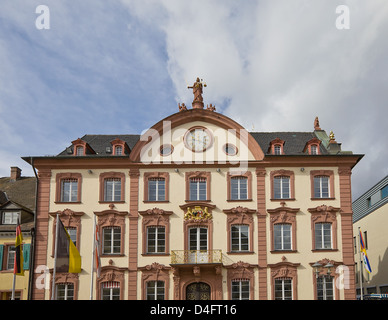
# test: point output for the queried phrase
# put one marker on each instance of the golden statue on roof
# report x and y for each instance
(197, 91)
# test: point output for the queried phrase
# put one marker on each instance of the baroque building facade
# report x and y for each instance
(199, 208)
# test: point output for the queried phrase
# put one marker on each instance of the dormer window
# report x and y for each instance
(120, 148)
(81, 148)
(10, 217)
(276, 147)
(312, 147)
(80, 151)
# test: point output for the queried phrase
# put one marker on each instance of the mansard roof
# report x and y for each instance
(295, 142)
(100, 143)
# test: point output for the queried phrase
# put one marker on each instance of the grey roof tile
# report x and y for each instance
(295, 142)
(99, 142)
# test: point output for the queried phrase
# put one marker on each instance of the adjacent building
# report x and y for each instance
(199, 208)
(371, 216)
(17, 201)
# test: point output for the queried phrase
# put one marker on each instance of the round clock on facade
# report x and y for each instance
(198, 139)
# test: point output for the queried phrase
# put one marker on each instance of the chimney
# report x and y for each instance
(15, 174)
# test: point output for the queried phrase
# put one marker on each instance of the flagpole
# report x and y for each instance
(14, 272)
(93, 257)
(13, 287)
(55, 258)
(360, 271)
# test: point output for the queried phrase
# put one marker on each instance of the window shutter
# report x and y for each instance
(1, 256)
(26, 256)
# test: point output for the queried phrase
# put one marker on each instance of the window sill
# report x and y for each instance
(283, 251)
(112, 255)
(67, 202)
(157, 201)
(320, 199)
(155, 254)
(239, 200)
(282, 199)
(240, 252)
(324, 250)
(197, 201)
(107, 201)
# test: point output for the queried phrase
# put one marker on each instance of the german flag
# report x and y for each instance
(18, 262)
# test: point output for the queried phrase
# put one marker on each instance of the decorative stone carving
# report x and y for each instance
(198, 213)
(182, 107)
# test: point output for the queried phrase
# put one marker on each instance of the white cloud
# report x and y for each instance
(277, 65)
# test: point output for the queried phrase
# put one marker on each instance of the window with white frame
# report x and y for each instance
(277, 149)
(10, 217)
(112, 240)
(281, 186)
(64, 291)
(314, 149)
(282, 236)
(321, 187)
(155, 290)
(112, 189)
(239, 188)
(69, 190)
(198, 189)
(118, 150)
(240, 238)
(110, 290)
(325, 288)
(240, 289)
(156, 189)
(79, 151)
(323, 236)
(156, 240)
(11, 257)
(283, 289)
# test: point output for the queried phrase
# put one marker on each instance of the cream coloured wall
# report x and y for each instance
(89, 204)
(177, 197)
(304, 235)
(181, 154)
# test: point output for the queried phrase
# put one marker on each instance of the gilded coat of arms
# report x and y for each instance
(197, 213)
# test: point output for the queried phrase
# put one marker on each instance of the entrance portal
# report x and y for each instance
(198, 291)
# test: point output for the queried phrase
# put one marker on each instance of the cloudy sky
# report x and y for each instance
(119, 66)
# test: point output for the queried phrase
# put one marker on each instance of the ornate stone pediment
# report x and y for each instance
(240, 215)
(323, 213)
(155, 216)
(240, 270)
(110, 273)
(111, 218)
(68, 217)
(283, 214)
(284, 269)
